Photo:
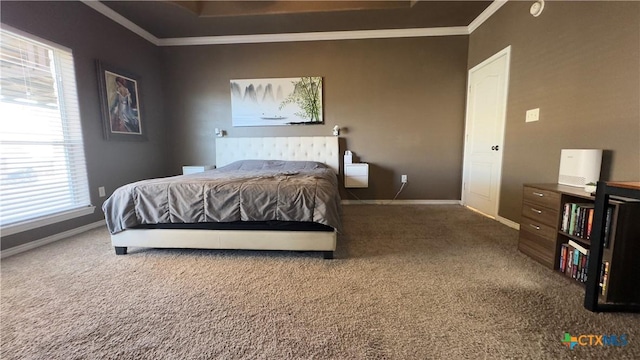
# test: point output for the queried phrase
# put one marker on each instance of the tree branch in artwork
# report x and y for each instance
(307, 95)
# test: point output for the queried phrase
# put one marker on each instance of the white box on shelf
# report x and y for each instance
(579, 166)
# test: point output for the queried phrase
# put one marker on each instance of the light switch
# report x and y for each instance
(532, 115)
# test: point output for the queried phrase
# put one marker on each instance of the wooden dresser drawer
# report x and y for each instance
(540, 214)
(539, 248)
(537, 228)
(546, 198)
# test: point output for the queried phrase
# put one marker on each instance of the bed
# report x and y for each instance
(278, 193)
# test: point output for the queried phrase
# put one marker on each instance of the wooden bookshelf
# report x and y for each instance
(544, 233)
(625, 250)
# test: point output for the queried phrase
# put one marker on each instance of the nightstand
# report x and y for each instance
(186, 170)
(356, 175)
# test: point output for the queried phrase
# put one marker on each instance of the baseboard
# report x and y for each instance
(498, 218)
(400, 202)
(509, 223)
(49, 239)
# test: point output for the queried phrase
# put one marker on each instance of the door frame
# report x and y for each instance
(504, 52)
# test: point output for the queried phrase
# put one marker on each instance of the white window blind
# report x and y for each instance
(42, 166)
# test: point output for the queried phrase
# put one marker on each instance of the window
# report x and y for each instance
(43, 176)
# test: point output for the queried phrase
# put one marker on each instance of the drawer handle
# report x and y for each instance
(538, 194)
(536, 211)
(535, 226)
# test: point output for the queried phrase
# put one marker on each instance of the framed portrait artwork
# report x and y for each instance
(120, 102)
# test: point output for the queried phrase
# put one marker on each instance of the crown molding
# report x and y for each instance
(486, 14)
(314, 36)
(111, 14)
(292, 37)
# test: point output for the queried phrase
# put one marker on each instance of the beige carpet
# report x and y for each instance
(410, 282)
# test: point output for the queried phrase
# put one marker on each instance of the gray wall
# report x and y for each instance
(579, 62)
(92, 36)
(401, 101)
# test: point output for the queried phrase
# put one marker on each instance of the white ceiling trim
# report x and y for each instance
(111, 14)
(486, 14)
(314, 36)
(290, 37)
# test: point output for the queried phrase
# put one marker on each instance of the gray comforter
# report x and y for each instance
(249, 190)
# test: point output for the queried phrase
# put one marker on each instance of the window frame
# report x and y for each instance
(68, 214)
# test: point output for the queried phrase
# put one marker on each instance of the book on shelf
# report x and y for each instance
(604, 277)
(607, 226)
(568, 256)
(563, 256)
(574, 263)
(568, 261)
(574, 260)
(590, 223)
(577, 220)
(583, 230)
(566, 215)
(578, 247)
(564, 261)
(572, 219)
(569, 217)
(581, 271)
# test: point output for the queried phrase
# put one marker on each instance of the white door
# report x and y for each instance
(486, 111)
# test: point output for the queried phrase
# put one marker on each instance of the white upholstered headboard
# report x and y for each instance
(323, 149)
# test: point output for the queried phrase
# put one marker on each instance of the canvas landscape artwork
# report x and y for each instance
(280, 101)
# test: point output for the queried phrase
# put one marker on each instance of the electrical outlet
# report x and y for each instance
(404, 179)
(101, 191)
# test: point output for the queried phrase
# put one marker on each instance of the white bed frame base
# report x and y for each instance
(316, 148)
(227, 239)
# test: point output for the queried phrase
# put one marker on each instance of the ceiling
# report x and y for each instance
(177, 19)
